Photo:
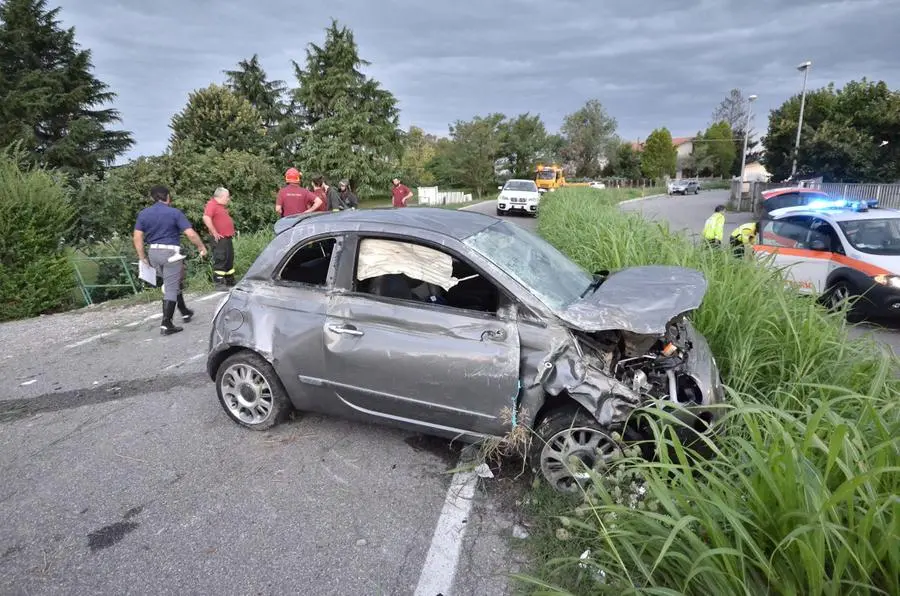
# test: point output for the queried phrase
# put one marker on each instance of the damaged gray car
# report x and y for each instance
(460, 325)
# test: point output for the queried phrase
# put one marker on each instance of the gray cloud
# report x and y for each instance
(651, 62)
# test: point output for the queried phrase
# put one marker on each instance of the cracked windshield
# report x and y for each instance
(306, 298)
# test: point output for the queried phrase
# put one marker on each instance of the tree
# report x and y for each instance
(589, 134)
(249, 81)
(523, 139)
(349, 124)
(49, 100)
(217, 118)
(843, 134)
(476, 146)
(717, 145)
(418, 151)
(626, 162)
(659, 157)
(733, 110)
(441, 166)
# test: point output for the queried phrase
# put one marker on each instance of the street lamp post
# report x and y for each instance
(746, 136)
(805, 69)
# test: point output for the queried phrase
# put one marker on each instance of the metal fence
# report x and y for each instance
(430, 195)
(113, 273)
(747, 196)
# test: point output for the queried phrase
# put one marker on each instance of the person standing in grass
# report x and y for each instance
(221, 227)
(400, 193)
(350, 200)
(161, 226)
(714, 229)
(294, 198)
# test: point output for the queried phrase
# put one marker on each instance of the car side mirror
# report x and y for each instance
(499, 188)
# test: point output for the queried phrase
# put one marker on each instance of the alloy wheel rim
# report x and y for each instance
(587, 446)
(247, 394)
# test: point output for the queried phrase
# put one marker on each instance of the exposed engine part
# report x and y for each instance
(673, 385)
(651, 366)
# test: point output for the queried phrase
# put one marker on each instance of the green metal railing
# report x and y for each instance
(86, 288)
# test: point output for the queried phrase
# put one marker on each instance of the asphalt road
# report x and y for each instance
(121, 474)
(687, 214)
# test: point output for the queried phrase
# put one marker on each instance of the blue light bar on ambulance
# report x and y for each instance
(858, 205)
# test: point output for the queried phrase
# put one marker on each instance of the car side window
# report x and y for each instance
(783, 234)
(422, 274)
(310, 263)
(826, 232)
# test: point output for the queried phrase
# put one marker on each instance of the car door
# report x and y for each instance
(445, 368)
(297, 301)
(788, 241)
(824, 238)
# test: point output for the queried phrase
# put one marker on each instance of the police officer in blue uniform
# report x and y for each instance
(160, 226)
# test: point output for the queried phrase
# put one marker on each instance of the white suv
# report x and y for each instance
(518, 195)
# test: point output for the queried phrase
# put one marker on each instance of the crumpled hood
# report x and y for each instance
(638, 299)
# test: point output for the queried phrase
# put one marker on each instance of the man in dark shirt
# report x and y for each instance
(293, 198)
(349, 199)
(161, 226)
(221, 227)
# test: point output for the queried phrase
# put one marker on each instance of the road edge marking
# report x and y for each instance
(439, 571)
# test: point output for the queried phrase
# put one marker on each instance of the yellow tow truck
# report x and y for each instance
(549, 178)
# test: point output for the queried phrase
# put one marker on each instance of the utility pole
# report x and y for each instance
(805, 69)
(746, 136)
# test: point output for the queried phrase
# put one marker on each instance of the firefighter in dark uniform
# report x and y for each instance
(160, 226)
(221, 227)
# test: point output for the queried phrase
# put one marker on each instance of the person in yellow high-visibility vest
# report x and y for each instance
(743, 236)
(714, 229)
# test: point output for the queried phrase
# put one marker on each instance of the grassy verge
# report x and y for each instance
(801, 496)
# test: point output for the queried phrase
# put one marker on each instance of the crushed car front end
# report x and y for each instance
(633, 333)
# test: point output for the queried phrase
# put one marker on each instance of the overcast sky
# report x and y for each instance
(650, 62)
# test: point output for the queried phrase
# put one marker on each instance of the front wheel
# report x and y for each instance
(251, 392)
(569, 443)
(841, 293)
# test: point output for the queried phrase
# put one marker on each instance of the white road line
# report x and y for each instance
(183, 362)
(144, 320)
(89, 339)
(211, 296)
(27, 383)
(443, 556)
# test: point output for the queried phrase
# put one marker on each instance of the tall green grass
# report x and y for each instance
(803, 493)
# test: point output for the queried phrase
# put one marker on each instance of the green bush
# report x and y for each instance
(35, 216)
(801, 496)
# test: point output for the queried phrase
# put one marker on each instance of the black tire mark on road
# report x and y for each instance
(16, 409)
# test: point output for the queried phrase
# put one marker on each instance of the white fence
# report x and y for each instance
(430, 195)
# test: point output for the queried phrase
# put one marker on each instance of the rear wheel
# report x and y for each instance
(569, 443)
(251, 392)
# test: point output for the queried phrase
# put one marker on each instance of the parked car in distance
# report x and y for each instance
(599, 185)
(518, 195)
(464, 326)
(683, 187)
(779, 198)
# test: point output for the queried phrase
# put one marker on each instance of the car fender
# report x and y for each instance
(564, 371)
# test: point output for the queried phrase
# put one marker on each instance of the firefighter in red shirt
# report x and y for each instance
(221, 228)
(400, 193)
(293, 198)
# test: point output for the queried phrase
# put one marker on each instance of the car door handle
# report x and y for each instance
(345, 330)
(497, 334)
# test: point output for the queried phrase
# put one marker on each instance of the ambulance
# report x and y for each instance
(839, 250)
